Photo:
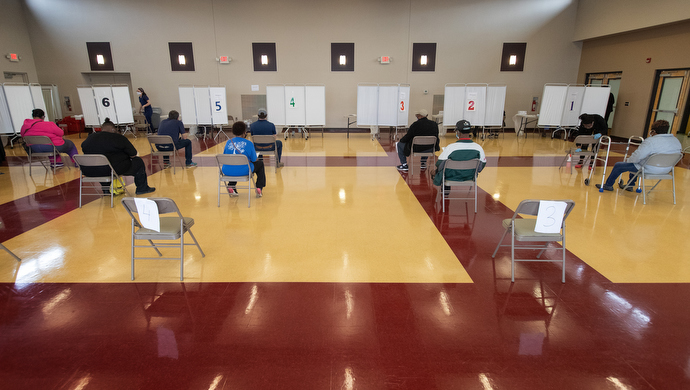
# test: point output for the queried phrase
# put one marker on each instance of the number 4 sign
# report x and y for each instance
(550, 217)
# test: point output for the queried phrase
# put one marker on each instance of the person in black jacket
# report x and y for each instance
(591, 124)
(422, 126)
(121, 154)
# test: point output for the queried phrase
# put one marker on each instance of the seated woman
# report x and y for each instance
(38, 126)
(240, 145)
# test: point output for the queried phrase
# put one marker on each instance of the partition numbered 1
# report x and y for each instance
(562, 105)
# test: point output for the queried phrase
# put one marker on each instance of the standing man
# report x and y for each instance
(264, 127)
(175, 129)
(462, 150)
(121, 154)
(659, 141)
(422, 126)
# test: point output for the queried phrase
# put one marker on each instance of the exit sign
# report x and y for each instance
(385, 60)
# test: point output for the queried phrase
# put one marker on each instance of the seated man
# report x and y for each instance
(175, 129)
(121, 154)
(462, 150)
(264, 127)
(422, 126)
(659, 141)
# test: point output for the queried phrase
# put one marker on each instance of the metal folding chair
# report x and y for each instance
(267, 139)
(426, 143)
(160, 154)
(467, 165)
(236, 160)
(43, 140)
(522, 229)
(97, 160)
(171, 229)
(658, 160)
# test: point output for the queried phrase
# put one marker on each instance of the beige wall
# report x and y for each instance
(667, 46)
(598, 18)
(469, 34)
(14, 38)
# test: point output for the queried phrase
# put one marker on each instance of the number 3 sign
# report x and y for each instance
(550, 217)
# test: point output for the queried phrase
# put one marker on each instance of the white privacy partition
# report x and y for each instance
(596, 99)
(187, 104)
(495, 105)
(88, 106)
(123, 104)
(453, 110)
(388, 105)
(403, 104)
(367, 104)
(573, 105)
(20, 103)
(202, 100)
(37, 97)
(5, 118)
(562, 104)
(315, 95)
(275, 104)
(552, 104)
(295, 105)
(104, 103)
(218, 105)
(474, 104)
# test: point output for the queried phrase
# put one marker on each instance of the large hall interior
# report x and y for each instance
(347, 273)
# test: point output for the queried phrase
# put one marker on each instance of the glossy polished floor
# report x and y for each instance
(345, 275)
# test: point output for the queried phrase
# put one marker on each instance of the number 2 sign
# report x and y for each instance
(471, 101)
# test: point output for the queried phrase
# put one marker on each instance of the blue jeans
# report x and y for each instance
(618, 170)
(403, 158)
(260, 147)
(179, 144)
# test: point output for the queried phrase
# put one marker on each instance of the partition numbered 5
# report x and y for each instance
(204, 106)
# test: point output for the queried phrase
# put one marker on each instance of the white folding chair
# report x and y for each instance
(171, 229)
(265, 140)
(160, 154)
(522, 229)
(45, 156)
(97, 160)
(662, 161)
(234, 160)
(425, 143)
(467, 165)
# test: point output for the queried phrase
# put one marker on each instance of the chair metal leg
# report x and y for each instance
(512, 255)
(10, 252)
(196, 243)
(132, 249)
(181, 249)
(499, 243)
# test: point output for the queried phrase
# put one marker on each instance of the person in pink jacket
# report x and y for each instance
(38, 126)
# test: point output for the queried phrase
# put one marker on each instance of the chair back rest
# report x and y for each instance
(155, 139)
(263, 139)
(165, 206)
(37, 140)
(531, 207)
(91, 160)
(586, 140)
(424, 140)
(662, 160)
(232, 159)
(465, 165)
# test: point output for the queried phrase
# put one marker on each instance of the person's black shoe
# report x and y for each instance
(146, 191)
(629, 188)
(606, 188)
(402, 167)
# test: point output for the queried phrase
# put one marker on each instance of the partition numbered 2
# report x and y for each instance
(297, 106)
(562, 105)
(383, 105)
(99, 102)
(204, 106)
(480, 104)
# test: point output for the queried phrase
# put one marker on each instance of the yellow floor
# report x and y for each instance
(344, 224)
